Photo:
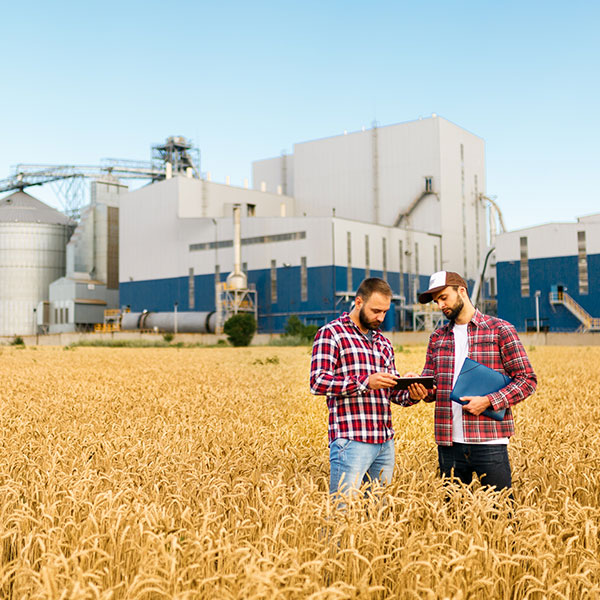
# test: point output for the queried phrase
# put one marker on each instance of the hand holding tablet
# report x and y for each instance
(428, 382)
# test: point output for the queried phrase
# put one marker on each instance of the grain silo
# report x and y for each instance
(33, 238)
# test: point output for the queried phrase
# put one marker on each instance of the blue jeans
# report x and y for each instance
(354, 463)
(489, 461)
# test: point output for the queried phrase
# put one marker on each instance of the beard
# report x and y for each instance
(370, 325)
(453, 312)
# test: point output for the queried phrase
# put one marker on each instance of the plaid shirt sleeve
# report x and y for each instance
(515, 363)
(324, 363)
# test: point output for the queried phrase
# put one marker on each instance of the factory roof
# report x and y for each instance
(20, 207)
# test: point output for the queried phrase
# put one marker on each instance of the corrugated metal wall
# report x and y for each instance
(32, 255)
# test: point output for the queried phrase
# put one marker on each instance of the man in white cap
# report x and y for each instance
(469, 441)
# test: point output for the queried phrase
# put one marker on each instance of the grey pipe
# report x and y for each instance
(187, 322)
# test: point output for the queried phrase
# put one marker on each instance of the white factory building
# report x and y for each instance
(426, 175)
(549, 276)
(398, 202)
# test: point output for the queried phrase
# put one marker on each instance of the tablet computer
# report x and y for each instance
(404, 382)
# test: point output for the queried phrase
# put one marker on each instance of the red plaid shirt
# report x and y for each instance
(495, 344)
(342, 360)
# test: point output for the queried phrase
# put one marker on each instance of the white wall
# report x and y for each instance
(548, 240)
(459, 227)
(155, 241)
(155, 234)
(271, 172)
(338, 173)
(208, 199)
(393, 235)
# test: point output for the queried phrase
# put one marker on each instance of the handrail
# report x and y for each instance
(589, 323)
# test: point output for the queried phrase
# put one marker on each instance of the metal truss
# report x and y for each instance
(176, 155)
(231, 301)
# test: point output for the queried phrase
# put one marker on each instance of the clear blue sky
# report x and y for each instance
(83, 81)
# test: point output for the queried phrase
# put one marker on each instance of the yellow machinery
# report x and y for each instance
(112, 321)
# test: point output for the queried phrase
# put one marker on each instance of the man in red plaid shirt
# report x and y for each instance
(469, 441)
(353, 365)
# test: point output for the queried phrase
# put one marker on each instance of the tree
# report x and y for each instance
(240, 329)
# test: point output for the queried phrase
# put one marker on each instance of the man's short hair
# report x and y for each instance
(373, 284)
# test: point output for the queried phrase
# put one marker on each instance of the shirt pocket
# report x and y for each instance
(484, 348)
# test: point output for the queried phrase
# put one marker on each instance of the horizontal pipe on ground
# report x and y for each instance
(187, 322)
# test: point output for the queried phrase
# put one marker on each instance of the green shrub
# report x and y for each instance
(295, 329)
(240, 329)
(310, 331)
(17, 341)
(168, 337)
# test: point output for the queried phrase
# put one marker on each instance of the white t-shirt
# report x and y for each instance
(461, 351)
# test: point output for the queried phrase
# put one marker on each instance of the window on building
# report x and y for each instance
(384, 257)
(67, 314)
(582, 263)
(493, 287)
(524, 267)
(191, 290)
(251, 210)
(56, 315)
(416, 259)
(303, 280)
(367, 258)
(429, 184)
(260, 239)
(273, 282)
(349, 268)
(245, 268)
(401, 266)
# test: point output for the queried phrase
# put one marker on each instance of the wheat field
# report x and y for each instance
(202, 473)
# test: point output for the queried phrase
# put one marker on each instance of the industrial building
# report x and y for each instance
(79, 290)
(33, 239)
(171, 256)
(397, 202)
(549, 276)
(90, 286)
(424, 175)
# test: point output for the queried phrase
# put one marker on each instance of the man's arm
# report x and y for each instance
(517, 366)
(417, 392)
(324, 362)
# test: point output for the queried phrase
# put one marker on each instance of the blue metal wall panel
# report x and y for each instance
(544, 273)
(321, 306)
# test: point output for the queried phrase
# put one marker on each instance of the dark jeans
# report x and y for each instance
(489, 461)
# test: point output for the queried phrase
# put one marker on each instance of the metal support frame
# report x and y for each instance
(231, 301)
(426, 317)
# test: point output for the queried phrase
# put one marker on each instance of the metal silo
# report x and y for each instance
(33, 238)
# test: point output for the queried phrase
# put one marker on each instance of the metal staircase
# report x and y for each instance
(588, 323)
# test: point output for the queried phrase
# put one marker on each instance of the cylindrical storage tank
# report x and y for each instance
(187, 322)
(33, 240)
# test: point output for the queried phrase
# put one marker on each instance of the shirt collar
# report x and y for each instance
(478, 320)
(347, 320)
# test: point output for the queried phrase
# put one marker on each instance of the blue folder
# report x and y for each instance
(476, 379)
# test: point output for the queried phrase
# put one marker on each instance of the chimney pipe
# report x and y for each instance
(237, 279)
